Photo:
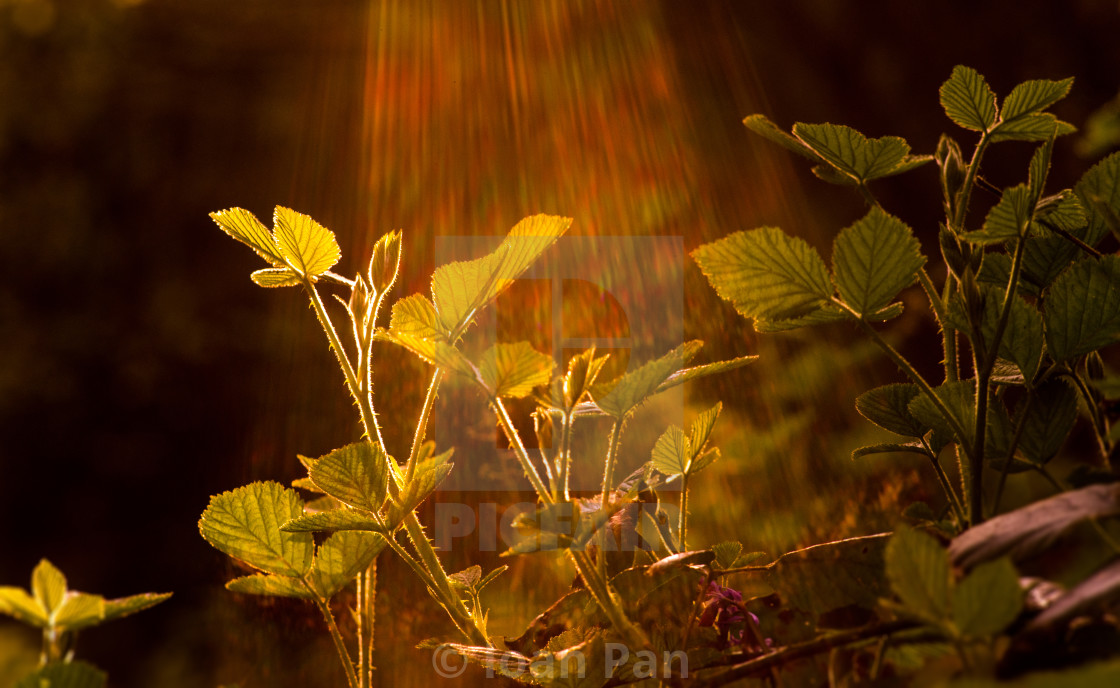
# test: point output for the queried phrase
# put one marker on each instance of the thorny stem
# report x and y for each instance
(942, 478)
(422, 424)
(336, 636)
(565, 458)
(515, 442)
(683, 524)
(965, 194)
(948, 334)
(608, 467)
(600, 589)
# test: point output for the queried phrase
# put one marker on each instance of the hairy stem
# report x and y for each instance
(565, 458)
(336, 636)
(608, 466)
(965, 194)
(607, 600)
(948, 334)
(422, 424)
(515, 442)
(683, 523)
(946, 486)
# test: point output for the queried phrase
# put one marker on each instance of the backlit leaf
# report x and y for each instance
(125, 606)
(1008, 219)
(335, 519)
(416, 316)
(274, 586)
(246, 228)
(889, 448)
(1032, 96)
(671, 452)
(513, 370)
(307, 246)
(727, 553)
(765, 273)
(888, 407)
(830, 576)
(852, 153)
(438, 353)
(686, 374)
(960, 399)
(79, 610)
(1082, 312)
(276, 277)
(356, 474)
(428, 476)
(968, 100)
(341, 557)
(918, 569)
(245, 524)
(1039, 126)
(701, 429)
(48, 585)
(762, 126)
(987, 600)
(18, 604)
(874, 259)
(637, 386)
(462, 288)
(1099, 191)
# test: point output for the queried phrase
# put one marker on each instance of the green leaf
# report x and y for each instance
(461, 289)
(987, 600)
(831, 576)
(245, 524)
(1039, 126)
(765, 273)
(276, 277)
(874, 259)
(1032, 96)
(852, 153)
(514, 370)
(416, 316)
(727, 553)
(341, 557)
(356, 474)
(960, 399)
(438, 353)
(1039, 169)
(1008, 219)
(1099, 191)
(968, 100)
(307, 246)
(583, 370)
(1050, 418)
(125, 606)
(685, 374)
(48, 585)
(888, 448)
(490, 577)
(16, 603)
(762, 126)
(918, 569)
(889, 408)
(1083, 308)
(1047, 254)
(273, 586)
(65, 675)
(701, 429)
(336, 519)
(79, 610)
(1022, 336)
(427, 477)
(672, 452)
(637, 386)
(246, 228)
(827, 313)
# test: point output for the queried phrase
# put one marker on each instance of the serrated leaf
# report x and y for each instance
(583, 370)
(637, 386)
(126, 606)
(1039, 126)
(467, 578)
(48, 585)
(1099, 191)
(341, 557)
(1008, 219)
(18, 604)
(727, 553)
(703, 460)
(1039, 169)
(701, 429)
(416, 316)
(918, 569)
(889, 408)
(427, 477)
(852, 153)
(671, 453)
(827, 313)
(356, 474)
(1047, 254)
(273, 586)
(968, 100)
(960, 399)
(874, 259)
(65, 675)
(1083, 308)
(685, 374)
(1050, 418)
(276, 277)
(461, 289)
(335, 519)
(438, 353)
(987, 600)
(765, 273)
(514, 370)
(762, 126)
(490, 577)
(245, 524)
(1032, 96)
(246, 228)
(307, 246)
(1022, 340)
(79, 610)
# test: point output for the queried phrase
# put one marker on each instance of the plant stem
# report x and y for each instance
(336, 636)
(683, 524)
(422, 424)
(965, 194)
(565, 458)
(1098, 422)
(948, 334)
(608, 466)
(950, 493)
(543, 492)
(608, 601)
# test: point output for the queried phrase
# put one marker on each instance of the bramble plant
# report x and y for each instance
(1027, 295)
(61, 613)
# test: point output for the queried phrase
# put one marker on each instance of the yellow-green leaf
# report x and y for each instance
(341, 557)
(437, 352)
(79, 610)
(124, 606)
(850, 152)
(48, 585)
(334, 519)
(968, 100)
(246, 228)
(514, 370)
(671, 452)
(416, 316)
(18, 604)
(274, 586)
(636, 386)
(988, 599)
(245, 524)
(918, 569)
(276, 277)
(1082, 311)
(65, 675)
(873, 260)
(1032, 96)
(356, 474)
(307, 246)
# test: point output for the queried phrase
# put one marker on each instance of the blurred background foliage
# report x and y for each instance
(141, 371)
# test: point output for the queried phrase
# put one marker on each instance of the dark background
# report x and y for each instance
(140, 370)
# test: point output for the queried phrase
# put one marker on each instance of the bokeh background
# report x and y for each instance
(141, 371)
